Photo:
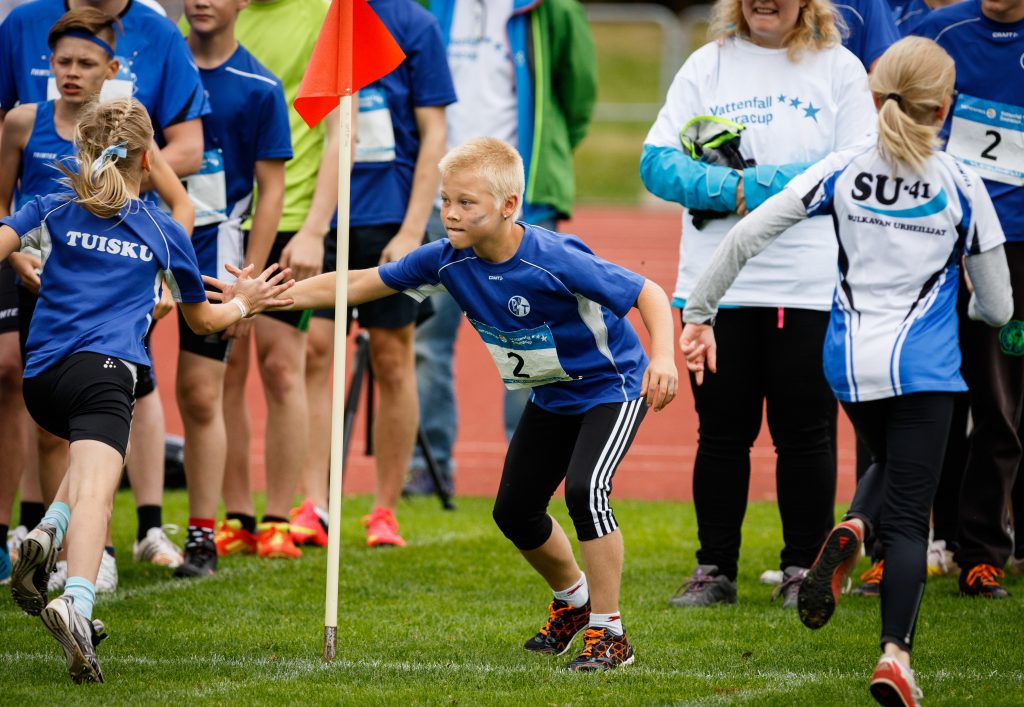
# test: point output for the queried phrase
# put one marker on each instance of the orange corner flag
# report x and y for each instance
(354, 49)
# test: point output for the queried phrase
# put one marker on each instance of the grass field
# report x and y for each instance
(442, 621)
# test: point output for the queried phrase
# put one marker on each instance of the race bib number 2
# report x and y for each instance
(525, 358)
(989, 136)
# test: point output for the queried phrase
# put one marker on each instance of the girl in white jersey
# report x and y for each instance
(905, 215)
(104, 254)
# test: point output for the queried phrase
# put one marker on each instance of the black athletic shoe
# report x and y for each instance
(563, 623)
(602, 650)
(36, 559)
(982, 581)
(78, 636)
(200, 560)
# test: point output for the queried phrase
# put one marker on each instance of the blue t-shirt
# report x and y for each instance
(156, 67)
(910, 15)
(984, 129)
(552, 316)
(38, 175)
(893, 328)
(387, 137)
(100, 277)
(248, 122)
(871, 28)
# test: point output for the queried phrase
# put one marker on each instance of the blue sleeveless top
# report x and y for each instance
(38, 177)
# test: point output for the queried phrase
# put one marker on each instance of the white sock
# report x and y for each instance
(321, 514)
(577, 595)
(612, 622)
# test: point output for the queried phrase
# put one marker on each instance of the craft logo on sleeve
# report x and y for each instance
(519, 306)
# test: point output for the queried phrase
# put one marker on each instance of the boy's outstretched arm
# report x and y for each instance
(661, 378)
(318, 292)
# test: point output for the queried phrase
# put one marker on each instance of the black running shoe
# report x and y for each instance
(564, 622)
(78, 636)
(200, 560)
(36, 559)
(982, 581)
(602, 650)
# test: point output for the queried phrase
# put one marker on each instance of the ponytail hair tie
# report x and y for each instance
(895, 97)
(110, 152)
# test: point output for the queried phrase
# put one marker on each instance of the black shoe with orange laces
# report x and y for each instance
(982, 581)
(564, 622)
(602, 650)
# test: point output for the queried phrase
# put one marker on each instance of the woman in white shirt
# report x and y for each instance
(776, 67)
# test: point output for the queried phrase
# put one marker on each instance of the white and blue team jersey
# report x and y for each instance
(248, 122)
(156, 66)
(985, 129)
(101, 277)
(552, 316)
(893, 328)
(38, 175)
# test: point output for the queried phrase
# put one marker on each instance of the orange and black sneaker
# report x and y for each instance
(231, 537)
(982, 581)
(306, 526)
(602, 650)
(871, 581)
(382, 529)
(274, 541)
(564, 622)
(823, 583)
(892, 684)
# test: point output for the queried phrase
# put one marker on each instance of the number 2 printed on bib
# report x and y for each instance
(989, 136)
(525, 358)
(375, 133)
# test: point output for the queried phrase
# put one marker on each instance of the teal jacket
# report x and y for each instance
(556, 86)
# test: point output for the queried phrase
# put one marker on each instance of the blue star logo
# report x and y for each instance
(782, 98)
(811, 112)
(795, 103)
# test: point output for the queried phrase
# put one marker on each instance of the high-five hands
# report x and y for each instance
(258, 294)
(697, 342)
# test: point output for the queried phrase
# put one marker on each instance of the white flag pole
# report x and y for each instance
(338, 402)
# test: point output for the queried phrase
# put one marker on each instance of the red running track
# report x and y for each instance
(660, 463)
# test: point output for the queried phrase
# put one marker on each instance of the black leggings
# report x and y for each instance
(907, 437)
(546, 448)
(765, 355)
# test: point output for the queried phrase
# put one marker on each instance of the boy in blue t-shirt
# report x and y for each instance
(246, 137)
(553, 316)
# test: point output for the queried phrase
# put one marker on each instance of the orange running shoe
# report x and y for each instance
(820, 589)
(382, 529)
(274, 541)
(892, 684)
(306, 526)
(231, 537)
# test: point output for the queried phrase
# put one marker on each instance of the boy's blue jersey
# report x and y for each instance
(893, 328)
(387, 138)
(870, 28)
(985, 129)
(248, 122)
(38, 175)
(552, 316)
(101, 277)
(156, 67)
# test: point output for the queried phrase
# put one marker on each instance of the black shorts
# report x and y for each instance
(8, 299)
(366, 243)
(85, 396)
(299, 319)
(214, 345)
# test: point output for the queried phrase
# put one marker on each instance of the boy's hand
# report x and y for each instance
(697, 342)
(400, 246)
(26, 266)
(660, 382)
(304, 254)
(258, 294)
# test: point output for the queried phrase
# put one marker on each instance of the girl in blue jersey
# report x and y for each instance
(552, 314)
(905, 216)
(104, 254)
(82, 43)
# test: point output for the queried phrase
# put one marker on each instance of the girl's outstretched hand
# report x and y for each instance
(258, 294)
(660, 382)
(697, 342)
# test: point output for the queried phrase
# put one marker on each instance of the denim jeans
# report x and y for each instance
(435, 379)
